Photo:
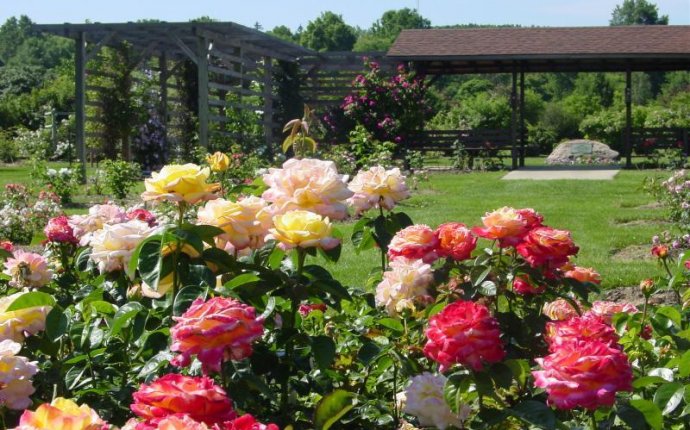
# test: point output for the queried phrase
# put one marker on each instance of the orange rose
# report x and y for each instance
(506, 225)
(61, 414)
(545, 246)
(455, 240)
(583, 274)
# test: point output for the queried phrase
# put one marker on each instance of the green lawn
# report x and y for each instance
(593, 210)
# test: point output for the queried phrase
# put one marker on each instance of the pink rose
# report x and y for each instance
(414, 242)
(588, 327)
(58, 230)
(545, 246)
(455, 240)
(523, 286)
(606, 310)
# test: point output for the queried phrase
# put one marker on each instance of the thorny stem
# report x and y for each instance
(383, 252)
(670, 275)
(178, 248)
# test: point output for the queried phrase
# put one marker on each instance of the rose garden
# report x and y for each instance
(335, 281)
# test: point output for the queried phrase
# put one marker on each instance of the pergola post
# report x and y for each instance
(513, 120)
(628, 119)
(523, 132)
(268, 104)
(80, 101)
(202, 72)
(163, 88)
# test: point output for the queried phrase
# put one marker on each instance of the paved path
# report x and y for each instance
(551, 173)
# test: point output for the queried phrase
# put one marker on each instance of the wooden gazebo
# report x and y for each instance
(523, 50)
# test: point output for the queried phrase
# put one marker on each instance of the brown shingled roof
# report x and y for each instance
(583, 42)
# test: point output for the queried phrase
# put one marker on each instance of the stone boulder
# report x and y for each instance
(582, 151)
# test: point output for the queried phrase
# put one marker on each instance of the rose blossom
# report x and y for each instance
(533, 218)
(415, 242)
(245, 222)
(27, 270)
(218, 162)
(588, 327)
(99, 215)
(545, 246)
(59, 230)
(306, 309)
(217, 330)
(248, 422)
(424, 399)
(302, 229)
(198, 397)
(606, 310)
(583, 274)
(15, 324)
(113, 246)
(61, 414)
(180, 183)
(584, 374)
(307, 184)
(142, 215)
(405, 281)
(15, 377)
(523, 286)
(464, 332)
(6, 245)
(506, 225)
(455, 240)
(560, 310)
(377, 188)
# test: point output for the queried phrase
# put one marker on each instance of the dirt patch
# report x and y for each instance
(639, 222)
(653, 205)
(632, 253)
(634, 295)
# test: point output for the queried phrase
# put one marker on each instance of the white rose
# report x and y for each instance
(425, 400)
(113, 245)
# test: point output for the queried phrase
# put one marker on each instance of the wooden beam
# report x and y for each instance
(268, 106)
(513, 120)
(202, 72)
(79, 100)
(97, 47)
(183, 46)
(163, 84)
(628, 119)
(522, 132)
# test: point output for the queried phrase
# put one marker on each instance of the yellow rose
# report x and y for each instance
(164, 285)
(302, 229)
(14, 324)
(180, 183)
(245, 222)
(218, 161)
(62, 414)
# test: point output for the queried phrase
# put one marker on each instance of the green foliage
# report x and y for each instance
(637, 12)
(383, 32)
(119, 177)
(328, 32)
(9, 152)
(367, 150)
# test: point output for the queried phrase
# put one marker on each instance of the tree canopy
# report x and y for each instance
(329, 32)
(637, 12)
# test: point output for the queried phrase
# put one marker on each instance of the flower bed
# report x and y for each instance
(211, 311)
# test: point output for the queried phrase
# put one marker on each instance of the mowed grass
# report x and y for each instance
(599, 214)
(596, 212)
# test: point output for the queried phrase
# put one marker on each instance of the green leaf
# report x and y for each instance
(632, 417)
(668, 396)
(57, 323)
(650, 411)
(520, 369)
(331, 408)
(455, 391)
(124, 315)
(324, 351)
(154, 364)
(535, 413)
(392, 324)
(487, 288)
(502, 375)
(243, 279)
(684, 365)
(670, 313)
(30, 300)
(646, 381)
(186, 296)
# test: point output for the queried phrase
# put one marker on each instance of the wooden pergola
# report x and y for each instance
(517, 51)
(228, 57)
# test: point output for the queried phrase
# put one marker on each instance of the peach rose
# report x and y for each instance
(112, 247)
(455, 240)
(198, 397)
(217, 330)
(61, 414)
(377, 188)
(588, 327)
(606, 310)
(99, 215)
(245, 222)
(560, 310)
(415, 242)
(583, 274)
(180, 183)
(405, 281)
(464, 332)
(302, 229)
(27, 270)
(425, 400)
(15, 324)
(506, 225)
(15, 376)
(308, 185)
(584, 374)
(545, 246)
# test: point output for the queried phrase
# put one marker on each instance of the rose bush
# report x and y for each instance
(216, 312)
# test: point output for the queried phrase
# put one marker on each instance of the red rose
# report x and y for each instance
(248, 422)
(173, 394)
(466, 333)
(588, 327)
(143, 215)
(306, 309)
(523, 286)
(545, 246)
(455, 240)
(7, 245)
(58, 230)
(531, 217)
(660, 251)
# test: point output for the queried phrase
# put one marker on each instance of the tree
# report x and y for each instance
(284, 32)
(329, 32)
(637, 12)
(385, 30)
(12, 33)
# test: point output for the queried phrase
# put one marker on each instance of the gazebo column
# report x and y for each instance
(80, 101)
(513, 121)
(523, 132)
(202, 72)
(268, 104)
(163, 89)
(628, 119)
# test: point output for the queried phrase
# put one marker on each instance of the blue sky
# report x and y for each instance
(362, 13)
